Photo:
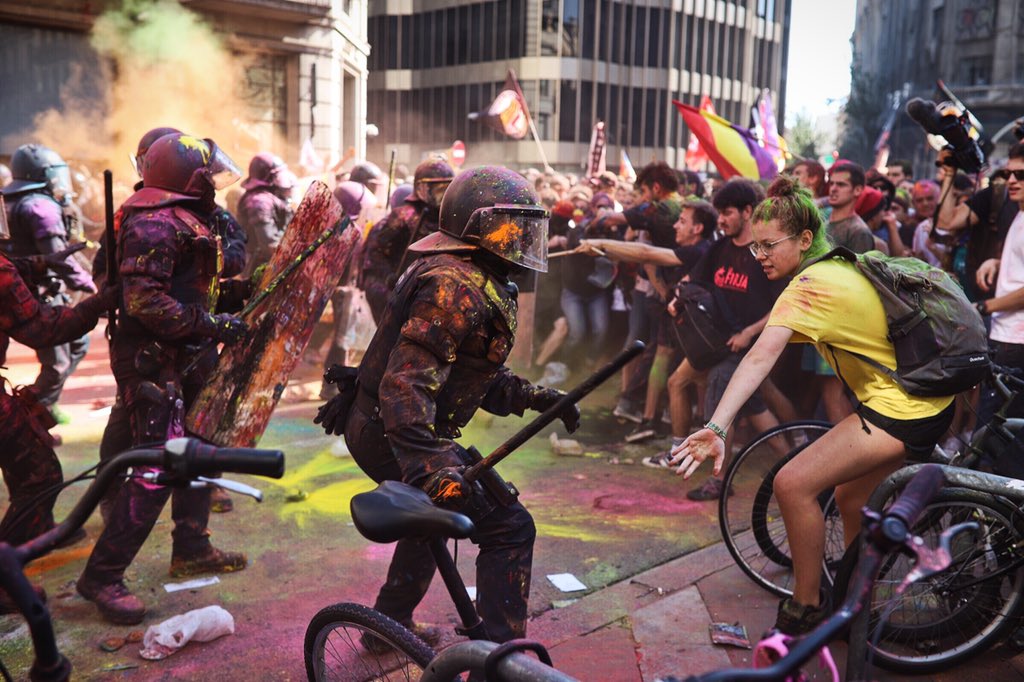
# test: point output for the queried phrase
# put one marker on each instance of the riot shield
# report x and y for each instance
(234, 407)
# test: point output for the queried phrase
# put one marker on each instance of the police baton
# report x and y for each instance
(552, 413)
(110, 243)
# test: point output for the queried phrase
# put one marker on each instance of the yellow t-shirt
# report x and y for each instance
(831, 304)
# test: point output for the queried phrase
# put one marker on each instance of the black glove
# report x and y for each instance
(233, 294)
(228, 329)
(447, 489)
(570, 414)
(333, 414)
(340, 375)
(35, 269)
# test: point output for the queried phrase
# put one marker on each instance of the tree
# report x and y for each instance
(863, 116)
(804, 138)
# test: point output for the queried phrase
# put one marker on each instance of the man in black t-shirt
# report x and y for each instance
(743, 298)
(694, 229)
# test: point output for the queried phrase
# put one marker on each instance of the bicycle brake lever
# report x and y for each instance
(227, 484)
(931, 561)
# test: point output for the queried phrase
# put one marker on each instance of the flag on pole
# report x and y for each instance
(696, 157)
(626, 171)
(733, 150)
(596, 163)
(508, 113)
(770, 139)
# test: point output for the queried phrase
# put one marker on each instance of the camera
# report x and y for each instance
(955, 129)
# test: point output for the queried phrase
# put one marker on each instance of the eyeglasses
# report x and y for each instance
(757, 248)
(1005, 173)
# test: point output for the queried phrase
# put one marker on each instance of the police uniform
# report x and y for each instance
(30, 466)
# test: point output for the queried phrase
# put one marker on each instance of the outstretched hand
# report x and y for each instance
(692, 452)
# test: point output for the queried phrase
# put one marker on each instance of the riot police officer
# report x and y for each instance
(437, 357)
(40, 223)
(263, 210)
(385, 252)
(169, 265)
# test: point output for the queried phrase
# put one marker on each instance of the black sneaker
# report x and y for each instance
(796, 619)
(644, 431)
(711, 490)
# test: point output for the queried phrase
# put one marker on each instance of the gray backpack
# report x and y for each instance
(939, 337)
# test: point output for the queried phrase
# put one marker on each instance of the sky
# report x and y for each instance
(819, 57)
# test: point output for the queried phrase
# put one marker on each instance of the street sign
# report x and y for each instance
(458, 153)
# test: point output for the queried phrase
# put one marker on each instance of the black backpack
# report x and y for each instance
(939, 337)
(698, 327)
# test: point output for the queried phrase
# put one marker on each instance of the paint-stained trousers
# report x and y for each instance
(57, 363)
(505, 536)
(137, 504)
(31, 471)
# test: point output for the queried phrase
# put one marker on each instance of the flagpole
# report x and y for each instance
(529, 119)
(540, 148)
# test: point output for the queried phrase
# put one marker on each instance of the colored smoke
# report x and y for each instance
(164, 66)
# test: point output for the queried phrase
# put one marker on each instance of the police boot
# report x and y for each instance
(115, 602)
(211, 560)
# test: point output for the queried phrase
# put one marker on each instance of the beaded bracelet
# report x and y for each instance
(718, 430)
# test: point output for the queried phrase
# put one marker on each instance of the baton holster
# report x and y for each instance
(503, 492)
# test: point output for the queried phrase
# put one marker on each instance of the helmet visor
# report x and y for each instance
(60, 181)
(221, 169)
(516, 233)
(5, 230)
(431, 190)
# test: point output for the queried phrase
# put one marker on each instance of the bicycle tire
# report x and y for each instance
(959, 613)
(750, 521)
(334, 648)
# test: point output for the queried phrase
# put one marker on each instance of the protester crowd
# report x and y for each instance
(671, 258)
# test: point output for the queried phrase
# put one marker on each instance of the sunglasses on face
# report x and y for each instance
(1005, 173)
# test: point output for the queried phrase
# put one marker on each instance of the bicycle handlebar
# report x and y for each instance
(189, 458)
(181, 460)
(908, 508)
(893, 525)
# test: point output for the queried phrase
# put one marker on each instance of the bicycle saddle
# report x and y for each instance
(395, 510)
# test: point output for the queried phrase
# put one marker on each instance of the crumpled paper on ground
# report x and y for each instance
(200, 625)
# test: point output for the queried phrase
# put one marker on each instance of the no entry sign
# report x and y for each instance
(458, 153)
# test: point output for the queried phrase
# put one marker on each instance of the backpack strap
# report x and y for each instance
(837, 252)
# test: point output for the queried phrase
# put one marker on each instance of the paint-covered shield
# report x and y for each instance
(235, 406)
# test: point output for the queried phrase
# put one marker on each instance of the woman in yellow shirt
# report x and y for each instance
(831, 305)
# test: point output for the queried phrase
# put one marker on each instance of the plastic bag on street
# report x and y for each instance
(200, 625)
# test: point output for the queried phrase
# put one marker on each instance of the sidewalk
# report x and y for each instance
(656, 624)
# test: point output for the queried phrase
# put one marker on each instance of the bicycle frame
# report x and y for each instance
(956, 477)
(181, 460)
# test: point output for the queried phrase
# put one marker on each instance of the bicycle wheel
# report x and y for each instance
(951, 616)
(750, 520)
(352, 642)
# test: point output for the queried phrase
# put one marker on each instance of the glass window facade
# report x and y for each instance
(613, 37)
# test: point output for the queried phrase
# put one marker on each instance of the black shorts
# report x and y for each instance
(919, 435)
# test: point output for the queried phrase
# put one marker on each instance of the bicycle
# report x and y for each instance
(348, 641)
(882, 534)
(751, 523)
(181, 461)
(750, 520)
(963, 612)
